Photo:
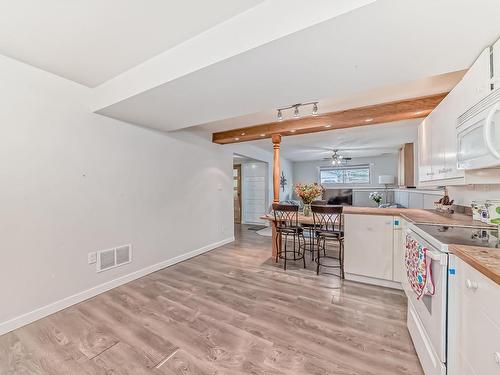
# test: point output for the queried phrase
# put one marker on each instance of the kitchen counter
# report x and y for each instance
(413, 215)
(483, 259)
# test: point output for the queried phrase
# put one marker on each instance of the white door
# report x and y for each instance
(369, 246)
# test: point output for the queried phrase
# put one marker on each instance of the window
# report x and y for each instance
(351, 175)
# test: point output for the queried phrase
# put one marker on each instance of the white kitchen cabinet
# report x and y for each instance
(369, 246)
(476, 82)
(474, 321)
(424, 152)
(399, 250)
(496, 65)
(437, 148)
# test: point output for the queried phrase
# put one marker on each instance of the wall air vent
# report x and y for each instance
(112, 258)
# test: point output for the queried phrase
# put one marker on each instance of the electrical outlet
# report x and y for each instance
(92, 257)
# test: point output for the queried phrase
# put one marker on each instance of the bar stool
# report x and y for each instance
(310, 232)
(329, 226)
(287, 224)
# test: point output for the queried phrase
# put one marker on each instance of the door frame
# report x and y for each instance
(238, 167)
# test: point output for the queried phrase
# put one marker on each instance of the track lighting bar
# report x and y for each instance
(296, 111)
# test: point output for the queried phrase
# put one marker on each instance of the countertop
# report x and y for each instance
(485, 260)
(413, 215)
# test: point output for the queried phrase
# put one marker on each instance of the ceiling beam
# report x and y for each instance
(362, 116)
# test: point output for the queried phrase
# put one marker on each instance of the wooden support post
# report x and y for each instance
(276, 167)
(276, 138)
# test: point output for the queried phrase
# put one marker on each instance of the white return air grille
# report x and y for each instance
(112, 258)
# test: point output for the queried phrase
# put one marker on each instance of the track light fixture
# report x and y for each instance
(296, 110)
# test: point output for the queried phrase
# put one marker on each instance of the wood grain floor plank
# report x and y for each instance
(229, 311)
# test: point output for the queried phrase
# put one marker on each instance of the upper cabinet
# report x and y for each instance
(437, 135)
(496, 65)
(476, 82)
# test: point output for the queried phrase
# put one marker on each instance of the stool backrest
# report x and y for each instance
(286, 215)
(328, 218)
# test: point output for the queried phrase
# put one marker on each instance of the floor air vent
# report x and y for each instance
(111, 258)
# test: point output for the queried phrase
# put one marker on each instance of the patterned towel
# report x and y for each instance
(418, 268)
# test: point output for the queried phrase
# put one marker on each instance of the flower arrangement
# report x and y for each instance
(309, 192)
(376, 197)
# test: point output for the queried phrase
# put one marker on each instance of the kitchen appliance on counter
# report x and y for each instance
(428, 313)
(478, 132)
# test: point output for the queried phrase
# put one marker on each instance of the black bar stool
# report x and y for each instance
(286, 217)
(329, 226)
(310, 232)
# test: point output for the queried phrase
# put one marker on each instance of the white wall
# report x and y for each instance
(464, 195)
(73, 182)
(387, 164)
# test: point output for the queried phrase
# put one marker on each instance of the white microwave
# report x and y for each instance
(478, 132)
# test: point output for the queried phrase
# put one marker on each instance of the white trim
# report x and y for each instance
(373, 281)
(54, 307)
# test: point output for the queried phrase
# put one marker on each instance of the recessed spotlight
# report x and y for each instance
(328, 126)
(369, 120)
(280, 115)
(296, 112)
(292, 131)
(419, 112)
(243, 133)
(262, 135)
(236, 139)
(315, 109)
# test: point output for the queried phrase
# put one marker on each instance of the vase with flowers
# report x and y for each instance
(308, 193)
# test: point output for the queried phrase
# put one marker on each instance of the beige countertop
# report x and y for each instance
(485, 260)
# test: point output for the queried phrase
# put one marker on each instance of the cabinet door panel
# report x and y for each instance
(476, 81)
(424, 151)
(369, 246)
(496, 65)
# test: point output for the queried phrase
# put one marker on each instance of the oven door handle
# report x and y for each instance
(437, 256)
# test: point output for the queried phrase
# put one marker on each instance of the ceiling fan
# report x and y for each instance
(338, 159)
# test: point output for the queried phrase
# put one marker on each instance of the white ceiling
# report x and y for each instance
(427, 86)
(91, 41)
(385, 43)
(363, 141)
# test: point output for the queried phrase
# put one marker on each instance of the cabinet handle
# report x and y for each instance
(471, 284)
(496, 355)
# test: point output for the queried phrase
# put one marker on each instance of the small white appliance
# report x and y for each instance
(478, 132)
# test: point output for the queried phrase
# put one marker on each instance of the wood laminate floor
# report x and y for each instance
(229, 311)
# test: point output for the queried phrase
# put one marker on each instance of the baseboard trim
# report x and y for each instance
(64, 303)
(373, 281)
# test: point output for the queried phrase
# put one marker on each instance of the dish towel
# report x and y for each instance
(418, 268)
